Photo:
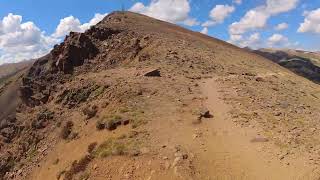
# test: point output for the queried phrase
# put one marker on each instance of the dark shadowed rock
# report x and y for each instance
(205, 113)
(153, 73)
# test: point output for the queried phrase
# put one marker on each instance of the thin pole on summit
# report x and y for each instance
(122, 6)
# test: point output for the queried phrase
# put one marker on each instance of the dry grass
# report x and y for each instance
(116, 147)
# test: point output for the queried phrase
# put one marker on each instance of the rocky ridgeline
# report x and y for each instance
(99, 47)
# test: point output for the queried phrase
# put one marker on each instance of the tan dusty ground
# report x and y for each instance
(265, 121)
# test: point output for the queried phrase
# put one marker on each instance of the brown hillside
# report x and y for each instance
(138, 98)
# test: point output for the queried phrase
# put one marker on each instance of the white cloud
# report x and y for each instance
(191, 22)
(274, 7)
(281, 26)
(218, 14)
(235, 38)
(71, 23)
(311, 22)
(252, 41)
(138, 7)
(278, 40)
(204, 30)
(20, 41)
(252, 20)
(237, 1)
(174, 11)
(257, 18)
(66, 25)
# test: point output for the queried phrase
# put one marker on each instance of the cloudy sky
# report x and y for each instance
(29, 28)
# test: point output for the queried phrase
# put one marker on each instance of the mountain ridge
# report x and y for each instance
(135, 97)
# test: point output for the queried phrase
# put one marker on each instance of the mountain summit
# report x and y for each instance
(138, 98)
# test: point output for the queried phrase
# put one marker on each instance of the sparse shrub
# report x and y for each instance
(111, 124)
(111, 147)
(90, 112)
(138, 122)
(42, 119)
(91, 147)
(97, 92)
(100, 124)
(78, 166)
(73, 97)
(117, 147)
(66, 130)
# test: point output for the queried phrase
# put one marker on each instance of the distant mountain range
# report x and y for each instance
(303, 63)
(7, 70)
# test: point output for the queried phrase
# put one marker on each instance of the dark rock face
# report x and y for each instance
(52, 68)
(73, 52)
(303, 67)
(77, 50)
(299, 65)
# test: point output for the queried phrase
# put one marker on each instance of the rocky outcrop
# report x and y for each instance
(77, 48)
(54, 68)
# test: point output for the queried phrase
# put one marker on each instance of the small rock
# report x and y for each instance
(125, 122)
(19, 172)
(153, 73)
(260, 79)
(277, 113)
(205, 113)
(282, 156)
(95, 167)
(185, 156)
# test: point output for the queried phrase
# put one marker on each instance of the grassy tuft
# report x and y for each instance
(116, 147)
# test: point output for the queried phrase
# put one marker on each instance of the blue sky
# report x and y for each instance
(50, 21)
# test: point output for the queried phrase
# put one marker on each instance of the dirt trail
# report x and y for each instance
(231, 154)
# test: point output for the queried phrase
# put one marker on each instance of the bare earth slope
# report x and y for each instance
(125, 100)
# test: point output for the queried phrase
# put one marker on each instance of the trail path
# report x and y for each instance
(231, 154)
